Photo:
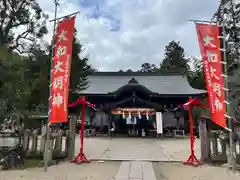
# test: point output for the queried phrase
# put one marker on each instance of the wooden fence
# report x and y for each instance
(61, 142)
(215, 144)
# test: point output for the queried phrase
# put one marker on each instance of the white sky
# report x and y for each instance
(123, 34)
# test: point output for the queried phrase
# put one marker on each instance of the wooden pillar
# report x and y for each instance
(214, 140)
(67, 140)
(109, 124)
(58, 144)
(229, 160)
(50, 149)
(34, 142)
(204, 140)
(223, 147)
(239, 147)
(26, 139)
(234, 149)
(42, 143)
(71, 137)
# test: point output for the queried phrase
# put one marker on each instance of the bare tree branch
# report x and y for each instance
(11, 17)
(25, 14)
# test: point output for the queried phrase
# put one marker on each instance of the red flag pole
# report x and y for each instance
(192, 160)
(82, 130)
(81, 158)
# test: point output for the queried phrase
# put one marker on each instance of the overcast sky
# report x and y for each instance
(123, 34)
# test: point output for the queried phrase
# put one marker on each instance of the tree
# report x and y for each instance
(38, 73)
(80, 67)
(174, 60)
(24, 14)
(228, 15)
(129, 70)
(195, 74)
(13, 89)
(147, 67)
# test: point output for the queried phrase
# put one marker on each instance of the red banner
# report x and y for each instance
(209, 42)
(61, 71)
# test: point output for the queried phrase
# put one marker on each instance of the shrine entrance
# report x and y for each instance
(133, 122)
(129, 104)
(131, 113)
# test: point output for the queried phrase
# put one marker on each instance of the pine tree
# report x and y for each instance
(174, 60)
(147, 67)
(80, 67)
(228, 16)
(195, 74)
(24, 14)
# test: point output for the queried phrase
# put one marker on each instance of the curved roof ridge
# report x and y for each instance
(132, 85)
(167, 84)
(113, 73)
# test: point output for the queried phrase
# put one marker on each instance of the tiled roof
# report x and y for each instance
(165, 84)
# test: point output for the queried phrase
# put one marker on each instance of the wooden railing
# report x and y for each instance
(61, 143)
(215, 143)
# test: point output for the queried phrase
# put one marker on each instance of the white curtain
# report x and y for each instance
(159, 122)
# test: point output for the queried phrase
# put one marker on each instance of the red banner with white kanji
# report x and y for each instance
(61, 71)
(209, 42)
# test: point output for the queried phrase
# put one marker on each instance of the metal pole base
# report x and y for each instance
(80, 158)
(192, 160)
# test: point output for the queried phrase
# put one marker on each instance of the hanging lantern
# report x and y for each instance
(129, 115)
(147, 117)
(123, 115)
(139, 115)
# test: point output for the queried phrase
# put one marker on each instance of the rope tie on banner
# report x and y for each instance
(225, 89)
(229, 117)
(226, 102)
(224, 75)
(228, 129)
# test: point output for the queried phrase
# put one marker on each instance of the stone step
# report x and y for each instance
(135, 170)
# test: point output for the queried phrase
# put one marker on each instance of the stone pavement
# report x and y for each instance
(66, 171)
(115, 170)
(137, 149)
(136, 162)
(178, 171)
(136, 170)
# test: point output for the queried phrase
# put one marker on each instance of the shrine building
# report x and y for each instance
(127, 103)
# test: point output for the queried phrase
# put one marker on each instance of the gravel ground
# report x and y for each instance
(66, 171)
(178, 171)
(107, 170)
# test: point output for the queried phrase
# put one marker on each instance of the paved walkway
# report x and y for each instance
(137, 149)
(128, 170)
(66, 171)
(136, 170)
(136, 157)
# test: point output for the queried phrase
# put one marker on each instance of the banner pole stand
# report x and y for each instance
(81, 158)
(46, 151)
(226, 116)
(192, 160)
(231, 155)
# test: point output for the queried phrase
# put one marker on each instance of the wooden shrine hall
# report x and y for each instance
(128, 103)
